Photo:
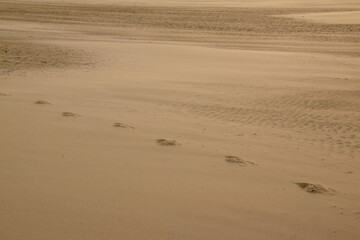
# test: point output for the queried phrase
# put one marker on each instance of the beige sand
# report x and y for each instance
(221, 3)
(352, 17)
(130, 122)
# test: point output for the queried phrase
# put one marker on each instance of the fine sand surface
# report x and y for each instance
(220, 3)
(179, 121)
(352, 17)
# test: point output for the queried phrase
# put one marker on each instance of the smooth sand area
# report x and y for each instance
(128, 122)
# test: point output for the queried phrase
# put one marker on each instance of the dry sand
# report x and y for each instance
(221, 3)
(156, 121)
(352, 17)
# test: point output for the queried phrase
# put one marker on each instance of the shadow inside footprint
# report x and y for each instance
(165, 142)
(315, 188)
(42, 102)
(237, 160)
(122, 125)
(3, 95)
(70, 114)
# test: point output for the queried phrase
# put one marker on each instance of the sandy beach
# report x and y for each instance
(179, 119)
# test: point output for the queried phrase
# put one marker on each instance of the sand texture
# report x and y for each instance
(179, 120)
(352, 17)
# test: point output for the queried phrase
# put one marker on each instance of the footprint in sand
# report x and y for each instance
(315, 188)
(42, 102)
(122, 125)
(165, 142)
(238, 161)
(3, 95)
(70, 114)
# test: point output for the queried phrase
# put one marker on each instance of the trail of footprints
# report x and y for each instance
(122, 125)
(166, 142)
(238, 161)
(315, 188)
(230, 159)
(42, 102)
(70, 114)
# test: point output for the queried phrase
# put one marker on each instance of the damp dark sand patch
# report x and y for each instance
(166, 142)
(225, 20)
(239, 25)
(315, 188)
(17, 55)
(238, 161)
